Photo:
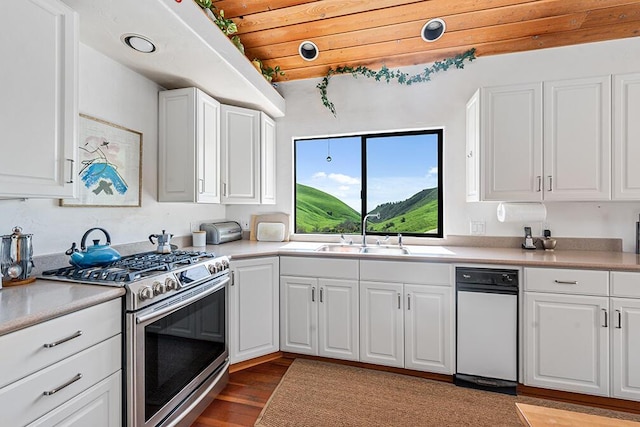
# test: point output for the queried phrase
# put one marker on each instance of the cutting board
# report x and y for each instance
(278, 218)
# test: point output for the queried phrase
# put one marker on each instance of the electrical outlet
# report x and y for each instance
(244, 223)
(477, 228)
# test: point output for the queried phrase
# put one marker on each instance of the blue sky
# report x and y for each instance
(398, 167)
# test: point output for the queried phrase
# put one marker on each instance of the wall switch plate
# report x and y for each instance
(477, 228)
(244, 223)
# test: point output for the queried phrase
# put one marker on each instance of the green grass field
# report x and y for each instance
(319, 212)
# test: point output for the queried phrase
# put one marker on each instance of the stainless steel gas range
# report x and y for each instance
(175, 331)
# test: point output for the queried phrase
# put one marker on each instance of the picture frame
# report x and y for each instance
(109, 165)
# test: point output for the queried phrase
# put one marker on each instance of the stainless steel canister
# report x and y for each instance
(16, 255)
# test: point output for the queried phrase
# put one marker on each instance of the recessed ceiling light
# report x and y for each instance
(433, 30)
(138, 42)
(308, 50)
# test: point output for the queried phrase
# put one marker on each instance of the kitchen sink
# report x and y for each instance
(350, 249)
(384, 250)
(357, 249)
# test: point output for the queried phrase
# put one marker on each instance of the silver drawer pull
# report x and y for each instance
(566, 282)
(67, 384)
(63, 340)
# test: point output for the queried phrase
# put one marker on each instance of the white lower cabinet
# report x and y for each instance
(319, 307)
(406, 315)
(626, 348)
(567, 342)
(99, 406)
(253, 308)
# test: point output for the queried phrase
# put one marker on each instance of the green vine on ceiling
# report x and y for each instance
(385, 74)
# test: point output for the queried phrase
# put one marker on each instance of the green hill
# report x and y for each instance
(319, 212)
(417, 214)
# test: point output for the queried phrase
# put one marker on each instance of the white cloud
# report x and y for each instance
(433, 171)
(344, 179)
(319, 175)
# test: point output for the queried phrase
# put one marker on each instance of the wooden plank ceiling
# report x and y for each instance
(387, 32)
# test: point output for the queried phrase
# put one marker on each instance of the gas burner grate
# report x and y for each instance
(131, 267)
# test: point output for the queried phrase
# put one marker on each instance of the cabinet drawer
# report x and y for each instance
(625, 284)
(24, 401)
(28, 352)
(406, 272)
(566, 281)
(332, 268)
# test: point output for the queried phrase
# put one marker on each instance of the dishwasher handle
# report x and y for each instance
(511, 289)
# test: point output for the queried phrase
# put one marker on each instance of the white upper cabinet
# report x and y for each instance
(248, 156)
(540, 141)
(626, 134)
(39, 104)
(577, 139)
(511, 142)
(189, 147)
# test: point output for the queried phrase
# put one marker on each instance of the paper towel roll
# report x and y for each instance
(521, 212)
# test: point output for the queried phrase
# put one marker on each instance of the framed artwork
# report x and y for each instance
(109, 165)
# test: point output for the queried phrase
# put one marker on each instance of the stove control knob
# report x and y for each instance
(170, 284)
(159, 288)
(212, 268)
(145, 293)
(225, 264)
(219, 267)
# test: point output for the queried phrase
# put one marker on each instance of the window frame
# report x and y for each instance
(363, 171)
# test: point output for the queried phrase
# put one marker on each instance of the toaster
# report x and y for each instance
(222, 232)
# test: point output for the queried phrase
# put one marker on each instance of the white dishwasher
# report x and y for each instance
(487, 329)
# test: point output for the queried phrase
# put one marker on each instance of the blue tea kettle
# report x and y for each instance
(93, 256)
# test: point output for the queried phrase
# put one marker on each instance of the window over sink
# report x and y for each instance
(340, 179)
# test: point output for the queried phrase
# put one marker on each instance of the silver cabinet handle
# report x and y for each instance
(408, 301)
(70, 171)
(224, 189)
(60, 387)
(63, 340)
(539, 183)
(399, 300)
(313, 294)
(321, 295)
(233, 278)
(566, 282)
(201, 185)
(606, 318)
(550, 183)
(619, 319)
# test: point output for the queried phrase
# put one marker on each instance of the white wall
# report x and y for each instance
(364, 105)
(114, 93)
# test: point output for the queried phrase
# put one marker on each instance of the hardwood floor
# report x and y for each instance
(240, 403)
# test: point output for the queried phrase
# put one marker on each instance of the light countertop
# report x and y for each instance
(598, 260)
(26, 305)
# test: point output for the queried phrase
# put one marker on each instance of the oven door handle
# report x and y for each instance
(141, 318)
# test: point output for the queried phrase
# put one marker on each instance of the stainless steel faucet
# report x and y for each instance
(364, 227)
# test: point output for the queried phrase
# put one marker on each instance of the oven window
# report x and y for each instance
(178, 347)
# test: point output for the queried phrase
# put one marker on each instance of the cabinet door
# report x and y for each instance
(98, 406)
(240, 140)
(299, 315)
(208, 151)
(268, 161)
(428, 324)
(577, 139)
(338, 319)
(626, 133)
(567, 342)
(473, 148)
(253, 308)
(511, 144)
(626, 348)
(39, 103)
(381, 323)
